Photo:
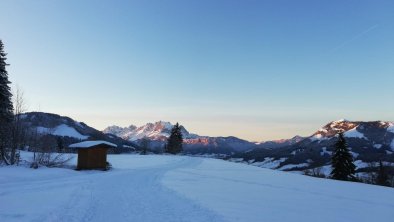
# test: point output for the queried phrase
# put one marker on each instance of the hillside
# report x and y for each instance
(71, 131)
(369, 142)
(180, 188)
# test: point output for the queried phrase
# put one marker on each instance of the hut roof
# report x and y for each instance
(91, 144)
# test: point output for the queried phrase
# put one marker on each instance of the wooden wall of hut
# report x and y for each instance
(92, 158)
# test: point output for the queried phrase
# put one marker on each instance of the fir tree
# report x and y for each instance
(174, 143)
(343, 167)
(382, 178)
(144, 146)
(6, 107)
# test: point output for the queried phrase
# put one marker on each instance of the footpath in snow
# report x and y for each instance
(179, 188)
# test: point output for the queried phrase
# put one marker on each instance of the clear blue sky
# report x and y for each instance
(258, 70)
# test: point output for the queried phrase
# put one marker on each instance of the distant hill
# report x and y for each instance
(70, 130)
(279, 143)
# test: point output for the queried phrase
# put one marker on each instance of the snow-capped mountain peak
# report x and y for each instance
(159, 130)
(333, 128)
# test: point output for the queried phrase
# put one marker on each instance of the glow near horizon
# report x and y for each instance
(258, 70)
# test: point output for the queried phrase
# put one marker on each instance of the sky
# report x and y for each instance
(258, 70)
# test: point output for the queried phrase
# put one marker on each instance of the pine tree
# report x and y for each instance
(6, 107)
(343, 167)
(174, 143)
(144, 146)
(382, 178)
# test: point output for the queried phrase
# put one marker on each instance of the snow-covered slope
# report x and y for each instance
(180, 188)
(47, 123)
(62, 130)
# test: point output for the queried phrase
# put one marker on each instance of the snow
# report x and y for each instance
(150, 130)
(180, 188)
(156, 131)
(360, 164)
(326, 170)
(325, 151)
(354, 134)
(62, 130)
(244, 193)
(211, 155)
(269, 163)
(291, 166)
(390, 128)
(354, 154)
(318, 137)
(322, 130)
(42, 130)
(87, 144)
(377, 146)
(236, 160)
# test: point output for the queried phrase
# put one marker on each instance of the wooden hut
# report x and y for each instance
(92, 154)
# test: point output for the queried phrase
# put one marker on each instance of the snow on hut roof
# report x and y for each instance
(89, 144)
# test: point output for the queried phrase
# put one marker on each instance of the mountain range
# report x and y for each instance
(368, 141)
(158, 132)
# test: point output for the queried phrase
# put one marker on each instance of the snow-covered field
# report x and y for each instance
(180, 188)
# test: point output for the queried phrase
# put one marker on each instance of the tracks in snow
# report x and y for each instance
(129, 195)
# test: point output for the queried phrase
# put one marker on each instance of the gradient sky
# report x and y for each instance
(258, 70)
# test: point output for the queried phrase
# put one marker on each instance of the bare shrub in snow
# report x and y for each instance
(19, 128)
(315, 172)
(44, 149)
